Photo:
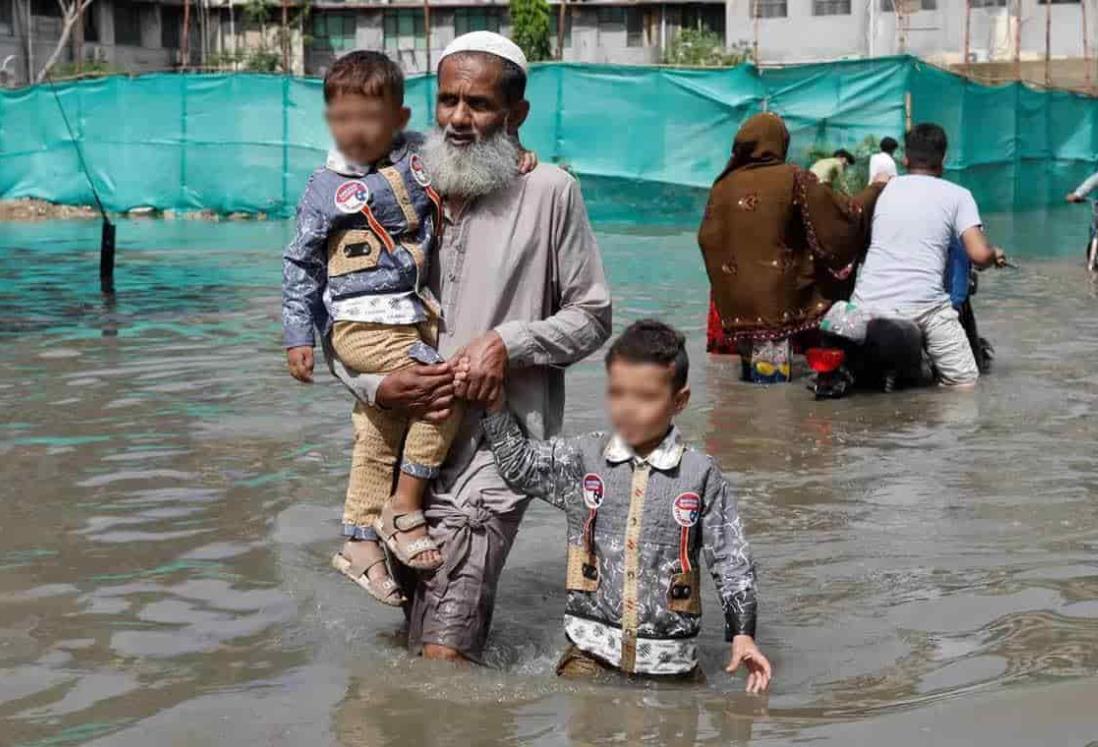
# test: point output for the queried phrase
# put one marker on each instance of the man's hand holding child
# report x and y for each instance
(744, 651)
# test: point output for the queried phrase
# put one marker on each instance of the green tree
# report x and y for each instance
(704, 48)
(530, 28)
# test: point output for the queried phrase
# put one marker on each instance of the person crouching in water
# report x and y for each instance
(642, 509)
(779, 248)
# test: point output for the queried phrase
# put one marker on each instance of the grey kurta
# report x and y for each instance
(524, 262)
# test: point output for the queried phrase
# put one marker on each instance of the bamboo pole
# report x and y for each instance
(1048, 42)
(1086, 46)
(1018, 40)
(285, 37)
(185, 36)
(755, 45)
(427, 32)
(561, 18)
(968, 37)
(900, 6)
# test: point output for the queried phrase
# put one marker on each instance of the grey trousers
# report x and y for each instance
(474, 517)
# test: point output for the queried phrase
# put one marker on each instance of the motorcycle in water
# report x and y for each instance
(887, 355)
(1091, 253)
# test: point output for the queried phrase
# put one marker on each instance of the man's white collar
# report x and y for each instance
(664, 457)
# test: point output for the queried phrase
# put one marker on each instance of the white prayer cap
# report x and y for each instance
(488, 42)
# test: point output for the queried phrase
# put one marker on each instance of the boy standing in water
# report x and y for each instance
(356, 269)
(642, 508)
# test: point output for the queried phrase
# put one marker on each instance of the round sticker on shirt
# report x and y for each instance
(352, 196)
(593, 490)
(686, 509)
(419, 173)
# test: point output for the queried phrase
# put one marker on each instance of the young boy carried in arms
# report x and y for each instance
(642, 508)
(367, 227)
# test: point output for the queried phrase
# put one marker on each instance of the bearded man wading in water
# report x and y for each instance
(523, 294)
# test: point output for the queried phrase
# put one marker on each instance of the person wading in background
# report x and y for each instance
(778, 247)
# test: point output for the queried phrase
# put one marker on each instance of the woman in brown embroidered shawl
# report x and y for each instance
(778, 245)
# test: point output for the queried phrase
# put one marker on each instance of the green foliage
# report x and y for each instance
(265, 53)
(856, 177)
(64, 70)
(530, 28)
(704, 48)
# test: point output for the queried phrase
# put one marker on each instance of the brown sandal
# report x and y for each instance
(384, 590)
(390, 524)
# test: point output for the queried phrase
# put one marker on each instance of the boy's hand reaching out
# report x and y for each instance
(301, 362)
(744, 651)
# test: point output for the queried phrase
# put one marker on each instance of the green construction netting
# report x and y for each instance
(246, 142)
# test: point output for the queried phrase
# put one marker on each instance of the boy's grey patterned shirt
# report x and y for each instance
(631, 601)
(362, 244)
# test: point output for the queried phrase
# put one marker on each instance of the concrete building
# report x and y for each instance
(145, 35)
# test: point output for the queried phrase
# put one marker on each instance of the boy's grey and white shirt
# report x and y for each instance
(631, 602)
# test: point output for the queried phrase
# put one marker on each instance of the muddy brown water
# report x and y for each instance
(169, 499)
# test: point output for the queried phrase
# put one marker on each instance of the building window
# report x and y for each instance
(611, 18)
(771, 8)
(989, 3)
(171, 26)
(6, 26)
(1058, 2)
(830, 7)
(911, 6)
(127, 24)
(634, 27)
(477, 19)
(707, 17)
(554, 26)
(90, 19)
(404, 30)
(333, 31)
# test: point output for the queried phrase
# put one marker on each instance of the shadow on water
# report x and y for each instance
(170, 500)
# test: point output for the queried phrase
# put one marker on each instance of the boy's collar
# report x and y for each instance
(664, 457)
(343, 166)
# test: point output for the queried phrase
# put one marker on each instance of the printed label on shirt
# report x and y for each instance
(686, 509)
(352, 196)
(593, 490)
(419, 173)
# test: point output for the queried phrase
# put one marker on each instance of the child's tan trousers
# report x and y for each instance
(382, 349)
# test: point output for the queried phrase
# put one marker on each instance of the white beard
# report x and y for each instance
(472, 170)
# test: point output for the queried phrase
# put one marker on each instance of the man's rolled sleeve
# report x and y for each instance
(582, 323)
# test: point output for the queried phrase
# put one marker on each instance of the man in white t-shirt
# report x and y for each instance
(882, 166)
(914, 221)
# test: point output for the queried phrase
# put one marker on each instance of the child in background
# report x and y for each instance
(356, 269)
(641, 509)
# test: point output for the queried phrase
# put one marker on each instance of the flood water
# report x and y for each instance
(169, 497)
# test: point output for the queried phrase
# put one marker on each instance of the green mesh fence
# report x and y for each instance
(247, 142)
